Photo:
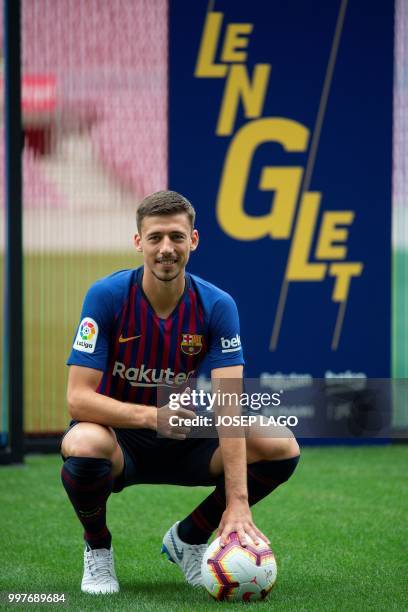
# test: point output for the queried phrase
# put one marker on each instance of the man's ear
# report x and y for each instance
(195, 239)
(137, 241)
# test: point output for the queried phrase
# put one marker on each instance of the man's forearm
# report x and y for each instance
(228, 382)
(88, 405)
(233, 452)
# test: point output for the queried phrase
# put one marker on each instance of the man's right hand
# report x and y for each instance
(170, 422)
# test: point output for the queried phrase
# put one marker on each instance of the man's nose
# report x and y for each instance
(166, 245)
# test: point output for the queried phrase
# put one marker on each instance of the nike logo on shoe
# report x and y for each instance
(179, 552)
(122, 339)
(188, 557)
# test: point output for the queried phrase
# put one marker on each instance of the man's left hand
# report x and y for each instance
(237, 518)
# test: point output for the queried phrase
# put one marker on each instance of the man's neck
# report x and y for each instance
(163, 296)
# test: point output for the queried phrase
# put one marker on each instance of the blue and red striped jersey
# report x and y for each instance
(138, 352)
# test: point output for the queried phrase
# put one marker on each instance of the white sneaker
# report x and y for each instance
(99, 572)
(187, 556)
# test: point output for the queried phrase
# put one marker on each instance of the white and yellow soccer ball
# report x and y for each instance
(237, 573)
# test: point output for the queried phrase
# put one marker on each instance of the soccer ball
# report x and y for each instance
(237, 573)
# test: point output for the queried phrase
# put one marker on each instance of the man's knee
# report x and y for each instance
(288, 448)
(89, 440)
(272, 448)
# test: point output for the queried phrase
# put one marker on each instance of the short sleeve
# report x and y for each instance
(91, 342)
(224, 334)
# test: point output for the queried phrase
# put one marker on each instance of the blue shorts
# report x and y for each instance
(153, 460)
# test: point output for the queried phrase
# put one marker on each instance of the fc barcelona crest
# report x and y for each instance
(191, 344)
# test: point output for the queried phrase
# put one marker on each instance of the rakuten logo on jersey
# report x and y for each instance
(150, 377)
(229, 345)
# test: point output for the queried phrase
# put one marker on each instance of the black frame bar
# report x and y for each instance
(13, 304)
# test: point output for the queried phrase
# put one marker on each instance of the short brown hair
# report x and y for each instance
(164, 203)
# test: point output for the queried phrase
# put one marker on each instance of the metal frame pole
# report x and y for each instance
(13, 357)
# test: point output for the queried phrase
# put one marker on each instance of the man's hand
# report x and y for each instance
(237, 517)
(170, 422)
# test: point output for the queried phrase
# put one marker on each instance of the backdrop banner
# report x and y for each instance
(280, 125)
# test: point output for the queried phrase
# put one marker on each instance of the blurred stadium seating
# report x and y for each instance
(94, 81)
(109, 64)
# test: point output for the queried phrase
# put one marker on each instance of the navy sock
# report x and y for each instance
(263, 478)
(88, 483)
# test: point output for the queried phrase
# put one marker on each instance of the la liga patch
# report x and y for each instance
(87, 335)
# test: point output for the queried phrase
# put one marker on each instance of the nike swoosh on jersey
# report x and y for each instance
(122, 339)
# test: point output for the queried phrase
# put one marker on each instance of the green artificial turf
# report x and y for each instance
(338, 529)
